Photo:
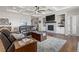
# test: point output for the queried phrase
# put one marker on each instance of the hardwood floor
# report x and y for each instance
(56, 35)
(70, 45)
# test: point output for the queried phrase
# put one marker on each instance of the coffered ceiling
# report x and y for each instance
(33, 10)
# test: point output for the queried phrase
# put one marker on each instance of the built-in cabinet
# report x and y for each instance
(60, 23)
(60, 30)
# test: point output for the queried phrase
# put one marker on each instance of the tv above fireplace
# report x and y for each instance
(50, 18)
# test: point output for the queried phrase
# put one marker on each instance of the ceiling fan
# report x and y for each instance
(37, 8)
(41, 9)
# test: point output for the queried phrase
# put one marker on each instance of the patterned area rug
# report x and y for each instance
(51, 44)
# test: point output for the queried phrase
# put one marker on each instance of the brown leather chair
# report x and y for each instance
(9, 47)
(8, 35)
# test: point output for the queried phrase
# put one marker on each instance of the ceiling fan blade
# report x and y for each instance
(36, 8)
(50, 10)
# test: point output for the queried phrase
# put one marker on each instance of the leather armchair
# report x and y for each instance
(9, 47)
(8, 35)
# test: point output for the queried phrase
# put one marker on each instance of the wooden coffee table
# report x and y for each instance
(40, 36)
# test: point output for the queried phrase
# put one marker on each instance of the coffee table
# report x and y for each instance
(39, 35)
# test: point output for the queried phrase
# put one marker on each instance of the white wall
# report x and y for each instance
(41, 25)
(74, 21)
(77, 30)
(16, 19)
(73, 25)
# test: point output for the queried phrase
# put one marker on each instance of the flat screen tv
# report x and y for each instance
(50, 18)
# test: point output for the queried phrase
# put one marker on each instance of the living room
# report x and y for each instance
(39, 28)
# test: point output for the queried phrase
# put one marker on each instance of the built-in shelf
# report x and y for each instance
(62, 20)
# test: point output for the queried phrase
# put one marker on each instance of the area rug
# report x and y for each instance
(51, 44)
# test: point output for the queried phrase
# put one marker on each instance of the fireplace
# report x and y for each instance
(51, 27)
